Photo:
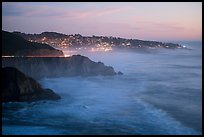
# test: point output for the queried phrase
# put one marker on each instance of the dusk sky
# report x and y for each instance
(147, 21)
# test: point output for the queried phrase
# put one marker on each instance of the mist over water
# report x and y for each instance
(159, 93)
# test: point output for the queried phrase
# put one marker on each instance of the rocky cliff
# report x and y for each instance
(14, 45)
(18, 87)
(76, 65)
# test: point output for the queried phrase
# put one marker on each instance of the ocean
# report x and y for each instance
(160, 93)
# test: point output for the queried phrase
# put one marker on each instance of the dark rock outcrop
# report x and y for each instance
(18, 87)
(14, 45)
(76, 65)
(120, 73)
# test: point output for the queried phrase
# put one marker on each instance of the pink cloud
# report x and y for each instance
(108, 11)
(84, 14)
(45, 11)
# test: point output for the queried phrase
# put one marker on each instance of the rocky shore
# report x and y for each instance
(75, 65)
(17, 87)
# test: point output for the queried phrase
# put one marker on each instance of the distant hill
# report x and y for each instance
(14, 45)
(78, 41)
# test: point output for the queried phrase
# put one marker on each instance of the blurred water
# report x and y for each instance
(159, 93)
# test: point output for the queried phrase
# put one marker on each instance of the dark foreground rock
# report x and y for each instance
(18, 87)
(76, 65)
